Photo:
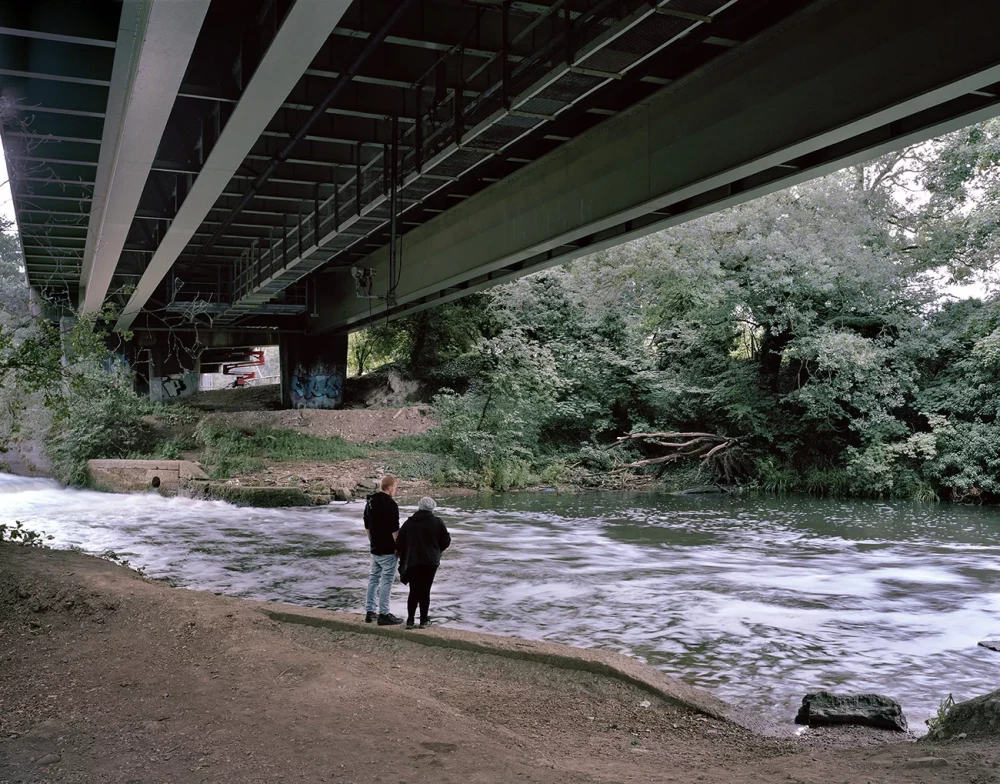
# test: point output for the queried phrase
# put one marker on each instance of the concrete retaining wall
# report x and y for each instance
(600, 662)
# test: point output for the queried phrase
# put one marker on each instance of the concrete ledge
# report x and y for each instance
(599, 662)
(132, 476)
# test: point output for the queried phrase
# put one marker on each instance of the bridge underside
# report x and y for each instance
(245, 165)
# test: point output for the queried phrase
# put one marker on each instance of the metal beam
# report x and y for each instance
(65, 39)
(828, 87)
(51, 77)
(155, 42)
(302, 34)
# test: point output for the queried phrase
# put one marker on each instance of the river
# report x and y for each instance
(757, 599)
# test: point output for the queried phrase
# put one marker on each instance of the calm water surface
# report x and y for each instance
(757, 599)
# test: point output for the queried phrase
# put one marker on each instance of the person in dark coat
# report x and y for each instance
(382, 524)
(420, 543)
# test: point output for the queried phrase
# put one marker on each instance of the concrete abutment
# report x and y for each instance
(313, 369)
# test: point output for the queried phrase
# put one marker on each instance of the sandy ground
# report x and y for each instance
(105, 677)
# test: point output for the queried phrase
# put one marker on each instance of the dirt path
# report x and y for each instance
(105, 677)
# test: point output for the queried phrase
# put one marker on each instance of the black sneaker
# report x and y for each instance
(424, 622)
(370, 617)
(409, 623)
(389, 620)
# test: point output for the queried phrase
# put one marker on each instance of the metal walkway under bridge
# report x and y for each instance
(303, 166)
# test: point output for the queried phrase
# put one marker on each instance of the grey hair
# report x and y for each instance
(427, 504)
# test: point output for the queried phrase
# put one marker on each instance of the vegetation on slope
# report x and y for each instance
(809, 326)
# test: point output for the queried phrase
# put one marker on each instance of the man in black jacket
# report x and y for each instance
(420, 543)
(382, 523)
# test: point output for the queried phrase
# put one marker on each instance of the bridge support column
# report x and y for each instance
(313, 369)
(173, 374)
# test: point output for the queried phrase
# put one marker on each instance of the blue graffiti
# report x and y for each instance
(324, 390)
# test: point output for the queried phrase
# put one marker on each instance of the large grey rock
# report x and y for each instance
(868, 710)
(977, 718)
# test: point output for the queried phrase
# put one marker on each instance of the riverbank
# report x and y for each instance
(241, 438)
(108, 677)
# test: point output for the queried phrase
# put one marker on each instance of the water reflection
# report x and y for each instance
(759, 600)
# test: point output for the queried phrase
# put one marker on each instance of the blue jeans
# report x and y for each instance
(383, 573)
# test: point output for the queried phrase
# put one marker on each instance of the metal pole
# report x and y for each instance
(336, 201)
(316, 213)
(418, 133)
(357, 177)
(392, 204)
(459, 121)
(570, 54)
(385, 169)
(505, 60)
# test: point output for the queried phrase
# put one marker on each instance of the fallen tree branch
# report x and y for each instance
(703, 446)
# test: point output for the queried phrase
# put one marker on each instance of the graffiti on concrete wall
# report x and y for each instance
(173, 387)
(321, 386)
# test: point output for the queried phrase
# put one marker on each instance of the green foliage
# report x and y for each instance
(18, 534)
(427, 344)
(50, 355)
(944, 708)
(554, 473)
(95, 419)
(808, 325)
(229, 451)
(771, 476)
(171, 449)
(374, 347)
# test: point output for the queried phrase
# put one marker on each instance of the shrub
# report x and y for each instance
(96, 420)
(18, 534)
(553, 473)
(772, 476)
(507, 473)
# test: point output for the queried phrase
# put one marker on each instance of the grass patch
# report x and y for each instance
(418, 465)
(430, 443)
(171, 449)
(230, 451)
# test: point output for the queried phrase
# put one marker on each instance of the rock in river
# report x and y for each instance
(869, 710)
(976, 718)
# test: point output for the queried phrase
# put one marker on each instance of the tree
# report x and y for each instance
(60, 363)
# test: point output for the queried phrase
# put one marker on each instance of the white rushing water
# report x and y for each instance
(758, 599)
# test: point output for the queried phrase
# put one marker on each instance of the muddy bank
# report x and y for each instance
(107, 677)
